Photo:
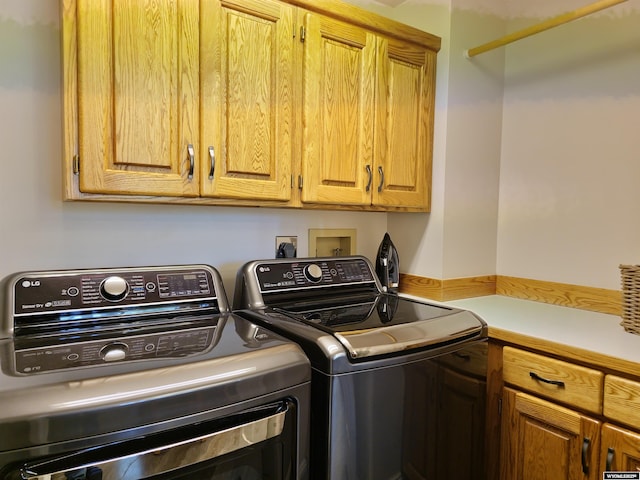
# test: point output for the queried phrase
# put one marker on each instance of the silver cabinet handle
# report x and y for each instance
(157, 459)
(368, 187)
(192, 160)
(381, 172)
(212, 158)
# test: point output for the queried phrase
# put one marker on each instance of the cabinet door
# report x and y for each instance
(247, 99)
(138, 93)
(419, 441)
(620, 451)
(404, 125)
(541, 440)
(338, 108)
(461, 427)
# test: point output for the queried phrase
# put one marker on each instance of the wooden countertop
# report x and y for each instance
(592, 338)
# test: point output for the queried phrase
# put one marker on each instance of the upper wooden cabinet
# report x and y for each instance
(137, 96)
(404, 124)
(289, 103)
(367, 117)
(339, 86)
(247, 62)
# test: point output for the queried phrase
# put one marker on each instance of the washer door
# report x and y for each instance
(256, 444)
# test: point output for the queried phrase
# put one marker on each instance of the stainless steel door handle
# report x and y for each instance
(148, 460)
(192, 160)
(212, 158)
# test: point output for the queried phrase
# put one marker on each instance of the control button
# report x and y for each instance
(149, 347)
(313, 273)
(151, 287)
(114, 352)
(114, 289)
(73, 356)
(72, 291)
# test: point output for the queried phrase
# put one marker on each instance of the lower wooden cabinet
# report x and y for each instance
(560, 420)
(418, 453)
(452, 403)
(620, 449)
(544, 441)
(461, 426)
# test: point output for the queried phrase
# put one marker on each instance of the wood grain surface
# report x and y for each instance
(567, 295)
(622, 400)
(581, 386)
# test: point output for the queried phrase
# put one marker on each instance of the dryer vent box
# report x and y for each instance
(332, 242)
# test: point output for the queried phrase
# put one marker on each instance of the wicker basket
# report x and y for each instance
(630, 298)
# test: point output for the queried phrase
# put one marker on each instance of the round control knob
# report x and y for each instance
(114, 289)
(114, 352)
(313, 273)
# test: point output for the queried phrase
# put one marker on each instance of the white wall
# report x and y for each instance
(570, 166)
(40, 231)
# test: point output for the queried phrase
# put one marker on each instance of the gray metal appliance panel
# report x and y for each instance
(299, 394)
(60, 406)
(373, 424)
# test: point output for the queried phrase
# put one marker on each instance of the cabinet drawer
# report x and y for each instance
(561, 381)
(622, 400)
(471, 360)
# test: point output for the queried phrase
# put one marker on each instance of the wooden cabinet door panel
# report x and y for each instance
(461, 426)
(620, 450)
(419, 443)
(404, 124)
(338, 84)
(543, 441)
(138, 93)
(247, 99)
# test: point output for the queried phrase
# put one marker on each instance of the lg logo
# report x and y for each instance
(31, 283)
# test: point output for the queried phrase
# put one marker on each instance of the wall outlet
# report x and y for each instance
(286, 246)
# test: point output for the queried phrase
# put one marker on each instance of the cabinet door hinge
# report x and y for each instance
(302, 34)
(300, 182)
(76, 164)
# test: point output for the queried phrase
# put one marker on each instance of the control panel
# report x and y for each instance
(53, 292)
(62, 356)
(282, 276)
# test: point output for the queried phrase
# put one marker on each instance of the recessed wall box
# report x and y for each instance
(332, 242)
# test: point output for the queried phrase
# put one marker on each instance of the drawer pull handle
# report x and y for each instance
(585, 450)
(610, 452)
(462, 356)
(557, 383)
